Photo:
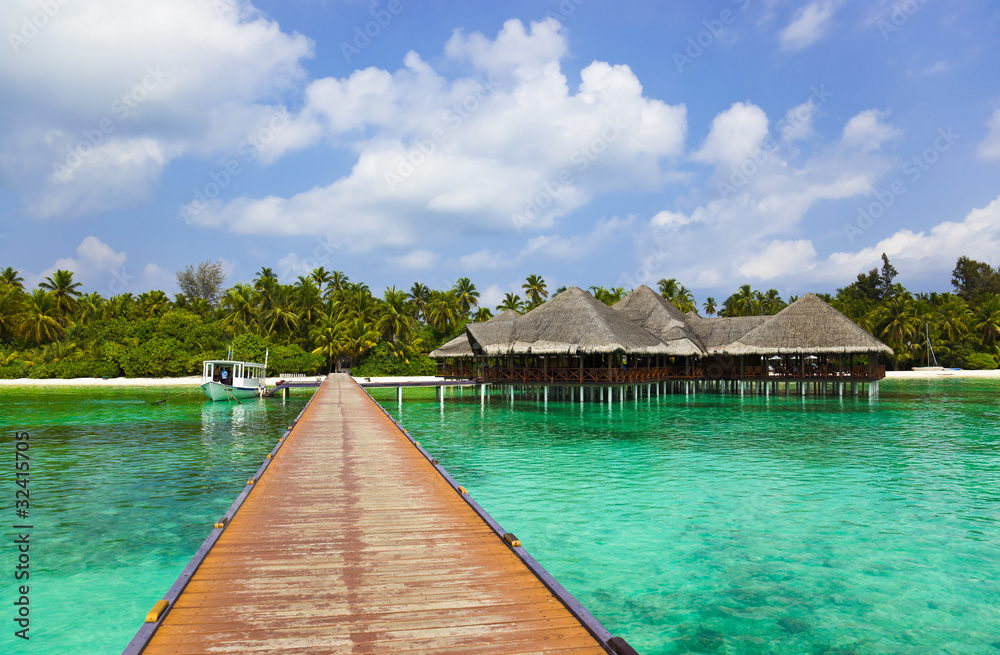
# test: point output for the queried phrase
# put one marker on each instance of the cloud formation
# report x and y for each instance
(808, 26)
(507, 148)
(98, 132)
(989, 148)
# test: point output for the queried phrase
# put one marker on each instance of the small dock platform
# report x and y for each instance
(285, 386)
(351, 538)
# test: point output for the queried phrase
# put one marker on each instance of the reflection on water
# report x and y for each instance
(124, 489)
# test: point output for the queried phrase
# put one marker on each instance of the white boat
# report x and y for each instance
(225, 379)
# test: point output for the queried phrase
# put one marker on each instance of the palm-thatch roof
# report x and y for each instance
(716, 334)
(495, 329)
(807, 326)
(493, 336)
(457, 347)
(576, 323)
(660, 318)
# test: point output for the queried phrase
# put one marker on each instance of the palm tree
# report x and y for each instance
(63, 289)
(338, 281)
(325, 338)
(419, 296)
(153, 303)
(320, 276)
(308, 300)
(511, 301)
(899, 325)
(239, 308)
(771, 302)
(356, 337)
(280, 318)
(683, 300)
(358, 302)
(41, 318)
(953, 319)
(535, 291)
(467, 295)
(443, 310)
(710, 306)
(395, 322)
(10, 278)
(608, 296)
(121, 306)
(264, 276)
(668, 288)
(482, 314)
(10, 308)
(742, 303)
(987, 318)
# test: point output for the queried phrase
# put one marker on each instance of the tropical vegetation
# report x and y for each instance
(323, 320)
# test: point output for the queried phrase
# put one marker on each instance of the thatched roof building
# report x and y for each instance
(717, 334)
(496, 329)
(660, 318)
(574, 323)
(457, 347)
(493, 337)
(808, 326)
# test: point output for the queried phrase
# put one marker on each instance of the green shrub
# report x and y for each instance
(15, 370)
(292, 359)
(249, 348)
(84, 368)
(981, 362)
(381, 362)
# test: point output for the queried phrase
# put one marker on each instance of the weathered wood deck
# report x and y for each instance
(353, 541)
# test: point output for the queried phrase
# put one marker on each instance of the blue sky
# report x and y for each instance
(784, 144)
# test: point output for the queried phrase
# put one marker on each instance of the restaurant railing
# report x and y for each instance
(599, 375)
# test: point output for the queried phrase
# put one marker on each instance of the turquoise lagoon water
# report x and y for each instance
(701, 524)
(720, 524)
(123, 492)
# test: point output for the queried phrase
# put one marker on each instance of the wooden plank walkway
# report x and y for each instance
(353, 541)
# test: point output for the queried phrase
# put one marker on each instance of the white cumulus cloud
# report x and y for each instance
(989, 148)
(507, 147)
(808, 26)
(736, 133)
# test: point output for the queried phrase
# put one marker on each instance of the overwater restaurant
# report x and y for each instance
(574, 339)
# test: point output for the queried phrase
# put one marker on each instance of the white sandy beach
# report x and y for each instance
(926, 375)
(191, 381)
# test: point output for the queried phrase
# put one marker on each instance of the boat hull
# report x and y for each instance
(218, 391)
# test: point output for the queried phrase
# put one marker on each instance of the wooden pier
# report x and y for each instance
(352, 539)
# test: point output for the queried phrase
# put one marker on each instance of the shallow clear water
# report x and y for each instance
(707, 524)
(715, 524)
(123, 492)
